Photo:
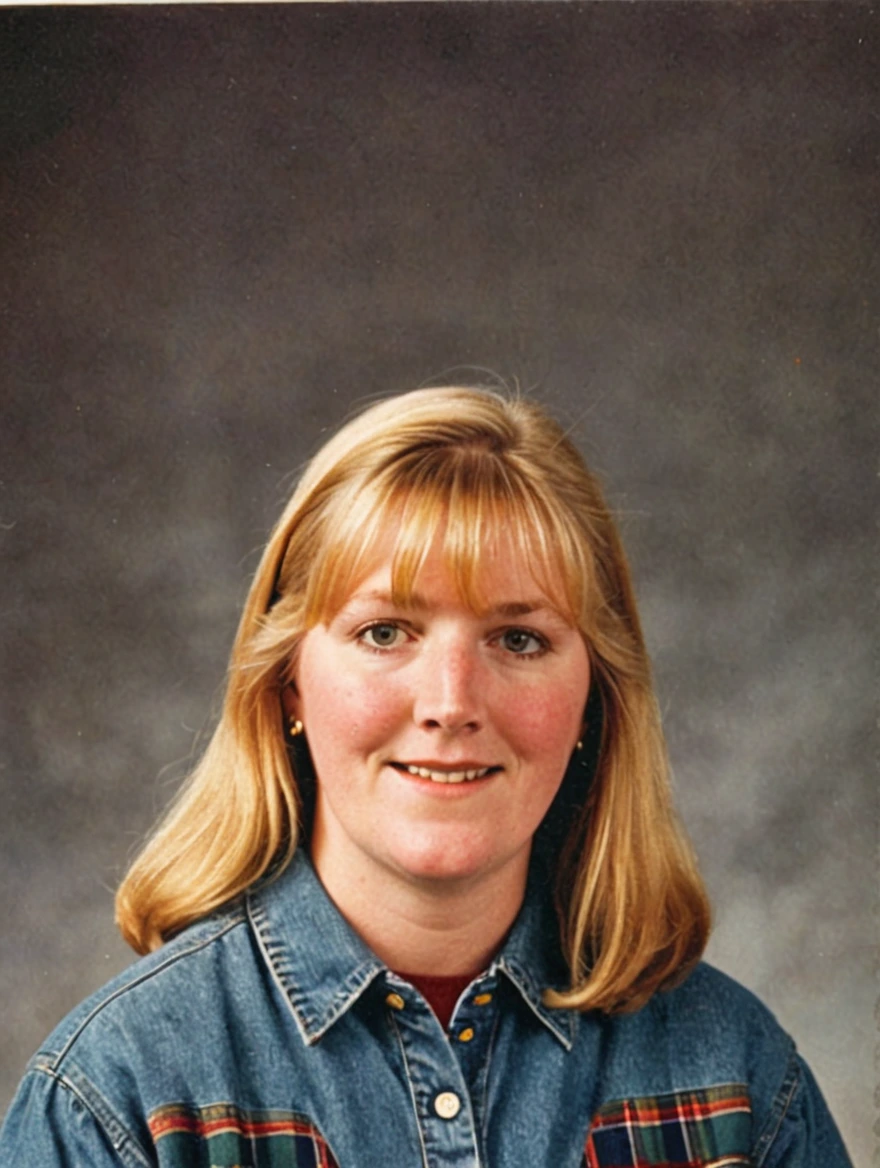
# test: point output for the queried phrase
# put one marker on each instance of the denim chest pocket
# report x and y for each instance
(705, 1128)
(225, 1136)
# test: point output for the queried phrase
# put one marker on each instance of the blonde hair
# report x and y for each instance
(473, 465)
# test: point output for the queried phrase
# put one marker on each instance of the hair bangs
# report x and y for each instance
(357, 527)
(475, 503)
(480, 508)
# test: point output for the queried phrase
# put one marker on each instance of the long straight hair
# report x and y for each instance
(477, 467)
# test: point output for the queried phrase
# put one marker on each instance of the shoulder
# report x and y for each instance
(708, 1034)
(791, 1121)
(712, 1030)
(87, 1087)
(710, 1002)
(709, 1048)
(173, 979)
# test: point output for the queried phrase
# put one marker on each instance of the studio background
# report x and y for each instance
(222, 228)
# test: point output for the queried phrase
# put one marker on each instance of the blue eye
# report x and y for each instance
(383, 635)
(522, 642)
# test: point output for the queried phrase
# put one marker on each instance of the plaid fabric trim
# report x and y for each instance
(224, 1136)
(709, 1128)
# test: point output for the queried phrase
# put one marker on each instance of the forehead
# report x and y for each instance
(487, 546)
(502, 583)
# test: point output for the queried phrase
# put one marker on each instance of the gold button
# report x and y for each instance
(466, 1034)
(447, 1105)
(482, 999)
(395, 1001)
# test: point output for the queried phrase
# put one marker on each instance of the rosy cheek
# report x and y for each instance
(549, 719)
(368, 708)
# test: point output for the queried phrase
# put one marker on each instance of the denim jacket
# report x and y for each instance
(270, 1035)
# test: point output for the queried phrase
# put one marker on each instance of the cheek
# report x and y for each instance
(548, 723)
(356, 712)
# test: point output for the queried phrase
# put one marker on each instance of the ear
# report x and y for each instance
(290, 702)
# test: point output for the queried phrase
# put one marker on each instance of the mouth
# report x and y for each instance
(437, 774)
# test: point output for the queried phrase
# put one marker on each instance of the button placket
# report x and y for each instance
(475, 1015)
(439, 1090)
(471, 1035)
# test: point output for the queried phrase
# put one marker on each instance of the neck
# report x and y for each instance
(429, 927)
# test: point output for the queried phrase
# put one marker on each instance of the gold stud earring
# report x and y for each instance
(295, 728)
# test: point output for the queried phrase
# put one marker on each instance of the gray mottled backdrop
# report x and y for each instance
(223, 227)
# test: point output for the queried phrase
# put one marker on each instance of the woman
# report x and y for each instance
(424, 900)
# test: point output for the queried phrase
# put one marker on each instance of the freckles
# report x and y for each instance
(549, 712)
(548, 733)
(369, 709)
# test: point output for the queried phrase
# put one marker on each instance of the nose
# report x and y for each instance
(450, 689)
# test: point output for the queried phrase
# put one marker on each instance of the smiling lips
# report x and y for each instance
(436, 775)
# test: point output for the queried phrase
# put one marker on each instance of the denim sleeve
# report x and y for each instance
(804, 1133)
(51, 1125)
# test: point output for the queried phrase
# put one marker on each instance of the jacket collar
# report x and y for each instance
(323, 967)
(532, 961)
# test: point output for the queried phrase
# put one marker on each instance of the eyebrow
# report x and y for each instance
(418, 603)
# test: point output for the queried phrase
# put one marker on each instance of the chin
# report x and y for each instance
(442, 871)
(450, 861)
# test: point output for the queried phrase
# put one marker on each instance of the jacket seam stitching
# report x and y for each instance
(412, 1091)
(118, 1144)
(255, 917)
(783, 1101)
(484, 1102)
(130, 985)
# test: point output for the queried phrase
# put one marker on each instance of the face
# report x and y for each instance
(439, 736)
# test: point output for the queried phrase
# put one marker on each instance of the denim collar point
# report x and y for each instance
(560, 1023)
(319, 962)
(315, 1022)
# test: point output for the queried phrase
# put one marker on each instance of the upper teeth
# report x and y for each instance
(447, 776)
